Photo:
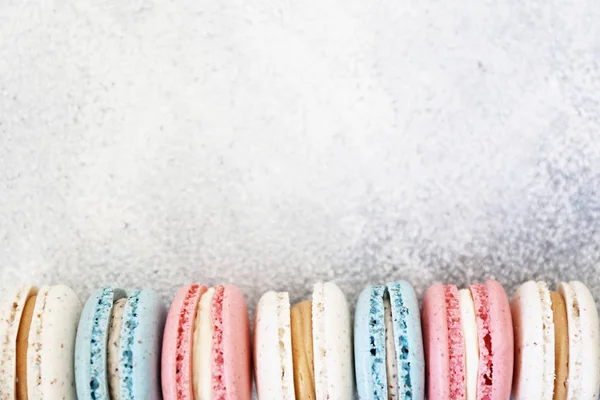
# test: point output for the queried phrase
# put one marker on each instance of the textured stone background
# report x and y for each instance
(272, 144)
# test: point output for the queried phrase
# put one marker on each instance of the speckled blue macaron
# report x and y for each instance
(140, 348)
(369, 342)
(91, 344)
(144, 317)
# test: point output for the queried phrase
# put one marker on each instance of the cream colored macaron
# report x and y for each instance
(37, 333)
(557, 342)
(583, 379)
(304, 353)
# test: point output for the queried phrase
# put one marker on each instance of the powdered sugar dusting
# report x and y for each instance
(216, 313)
(482, 311)
(456, 343)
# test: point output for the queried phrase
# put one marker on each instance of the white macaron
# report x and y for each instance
(329, 341)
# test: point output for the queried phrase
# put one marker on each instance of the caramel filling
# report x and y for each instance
(561, 346)
(22, 344)
(302, 351)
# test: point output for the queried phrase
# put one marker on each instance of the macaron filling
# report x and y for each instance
(219, 388)
(480, 298)
(22, 346)
(302, 350)
(114, 341)
(202, 345)
(456, 343)
(390, 350)
(130, 324)
(561, 346)
(469, 324)
(575, 338)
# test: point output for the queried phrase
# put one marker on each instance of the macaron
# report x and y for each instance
(557, 342)
(388, 344)
(118, 346)
(37, 339)
(303, 352)
(468, 339)
(206, 345)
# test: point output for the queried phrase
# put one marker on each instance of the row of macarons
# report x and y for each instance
(472, 344)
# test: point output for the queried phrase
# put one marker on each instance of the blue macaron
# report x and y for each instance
(388, 344)
(129, 328)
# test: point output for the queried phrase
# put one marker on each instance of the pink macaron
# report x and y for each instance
(206, 345)
(468, 342)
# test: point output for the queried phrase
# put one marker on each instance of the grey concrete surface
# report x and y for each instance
(273, 144)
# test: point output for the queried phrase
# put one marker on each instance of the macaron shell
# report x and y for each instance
(584, 341)
(501, 331)
(11, 310)
(177, 344)
(591, 339)
(34, 348)
(52, 343)
(273, 366)
(332, 342)
(91, 344)
(456, 344)
(141, 341)
(235, 365)
(369, 344)
(528, 327)
(409, 340)
(435, 338)
(485, 339)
